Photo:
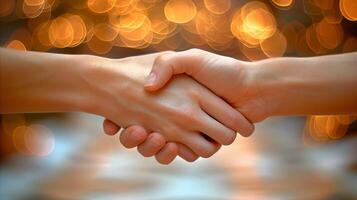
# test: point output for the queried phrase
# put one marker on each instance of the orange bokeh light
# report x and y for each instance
(275, 46)
(17, 45)
(39, 140)
(61, 33)
(180, 11)
(100, 6)
(217, 7)
(283, 3)
(349, 9)
(329, 35)
(7, 7)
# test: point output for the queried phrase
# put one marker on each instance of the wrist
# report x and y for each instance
(281, 83)
(87, 72)
(67, 89)
(107, 83)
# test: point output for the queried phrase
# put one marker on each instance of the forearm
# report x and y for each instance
(316, 85)
(40, 82)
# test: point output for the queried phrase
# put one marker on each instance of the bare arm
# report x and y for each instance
(304, 86)
(113, 88)
(40, 82)
(277, 86)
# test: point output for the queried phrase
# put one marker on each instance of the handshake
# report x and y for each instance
(188, 115)
(185, 117)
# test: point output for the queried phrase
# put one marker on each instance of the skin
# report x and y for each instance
(272, 87)
(184, 118)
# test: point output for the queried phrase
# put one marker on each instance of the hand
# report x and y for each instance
(180, 112)
(231, 79)
(231, 83)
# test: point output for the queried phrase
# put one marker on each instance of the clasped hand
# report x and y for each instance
(192, 122)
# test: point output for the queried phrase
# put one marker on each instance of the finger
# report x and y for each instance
(167, 154)
(133, 136)
(152, 145)
(167, 65)
(186, 153)
(200, 145)
(109, 127)
(214, 130)
(226, 115)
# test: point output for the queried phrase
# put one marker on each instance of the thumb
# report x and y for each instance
(167, 65)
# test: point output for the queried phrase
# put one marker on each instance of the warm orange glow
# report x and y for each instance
(248, 30)
(7, 7)
(345, 119)
(252, 23)
(328, 127)
(283, 3)
(16, 44)
(39, 140)
(333, 15)
(260, 24)
(180, 11)
(214, 29)
(192, 38)
(217, 7)
(105, 32)
(61, 32)
(313, 42)
(161, 27)
(329, 35)
(79, 29)
(350, 44)
(252, 53)
(10, 122)
(33, 8)
(34, 2)
(18, 139)
(324, 4)
(100, 6)
(275, 46)
(349, 9)
(123, 7)
(42, 36)
(98, 46)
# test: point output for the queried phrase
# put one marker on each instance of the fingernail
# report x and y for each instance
(150, 79)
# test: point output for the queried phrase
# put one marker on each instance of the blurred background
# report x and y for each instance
(67, 156)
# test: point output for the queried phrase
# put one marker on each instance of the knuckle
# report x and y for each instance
(229, 138)
(161, 59)
(170, 132)
(157, 139)
(189, 115)
(195, 51)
